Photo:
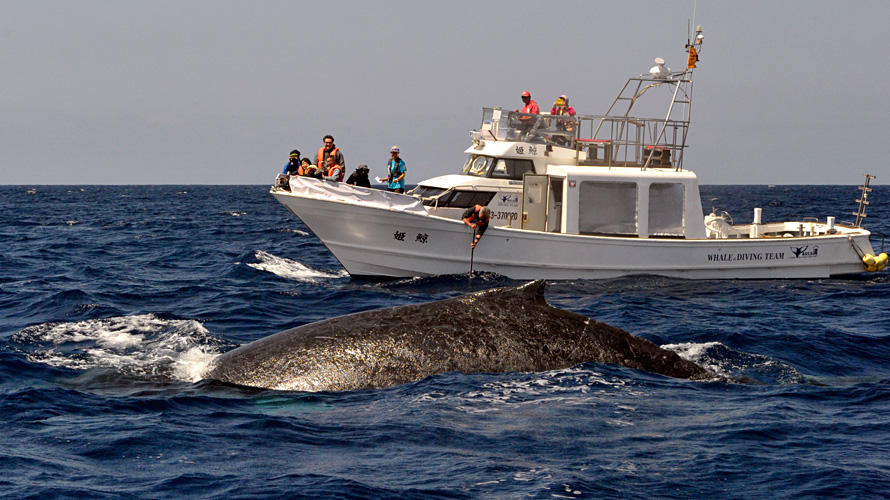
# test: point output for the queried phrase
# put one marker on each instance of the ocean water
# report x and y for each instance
(114, 300)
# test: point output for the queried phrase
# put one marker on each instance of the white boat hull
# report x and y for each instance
(374, 240)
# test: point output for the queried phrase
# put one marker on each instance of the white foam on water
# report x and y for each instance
(700, 354)
(691, 350)
(141, 346)
(298, 232)
(193, 364)
(570, 386)
(728, 362)
(291, 269)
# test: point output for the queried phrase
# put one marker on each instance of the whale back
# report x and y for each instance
(500, 330)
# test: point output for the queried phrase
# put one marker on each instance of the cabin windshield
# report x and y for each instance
(477, 165)
(427, 192)
(498, 168)
(455, 198)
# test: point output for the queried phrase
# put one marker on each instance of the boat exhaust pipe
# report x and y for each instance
(755, 226)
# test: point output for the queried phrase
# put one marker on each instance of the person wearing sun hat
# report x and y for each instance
(561, 107)
(360, 177)
(395, 167)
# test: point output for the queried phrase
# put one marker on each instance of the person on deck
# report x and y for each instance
(333, 171)
(314, 172)
(304, 167)
(396, 168)
(561, 107)
(360, 177)
(329, 150)
(477, 217)
(293, 164)
(530, 107)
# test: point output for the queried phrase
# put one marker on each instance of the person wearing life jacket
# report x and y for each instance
(307, 169)
(477, 217)
(304, 167)
(314, 172)
(293, 164)
(321, 159)
(333, 171)
(396, 169)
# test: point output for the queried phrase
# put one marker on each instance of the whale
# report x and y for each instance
(511, 329)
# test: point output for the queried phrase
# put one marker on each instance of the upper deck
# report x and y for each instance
(616, 139)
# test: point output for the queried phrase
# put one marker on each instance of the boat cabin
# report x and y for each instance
(587, 175)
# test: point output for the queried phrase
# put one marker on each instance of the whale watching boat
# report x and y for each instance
(576, 197)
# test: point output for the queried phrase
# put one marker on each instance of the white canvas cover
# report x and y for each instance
(315, 188)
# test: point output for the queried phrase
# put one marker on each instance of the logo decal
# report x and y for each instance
(804, 252)
(508, 200)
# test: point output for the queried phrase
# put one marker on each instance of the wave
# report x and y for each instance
(292, 269)
(728, 362)
(142, 346)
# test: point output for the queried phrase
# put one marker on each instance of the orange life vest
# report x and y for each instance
(321, 156)
(331, 172)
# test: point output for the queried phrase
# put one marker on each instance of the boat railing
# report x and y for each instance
(622, 141)
(641, 142)
(616, 138)
(554, 130)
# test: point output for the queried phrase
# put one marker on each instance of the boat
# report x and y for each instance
(576, 197)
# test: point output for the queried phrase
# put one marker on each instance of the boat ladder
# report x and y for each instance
(863, 200)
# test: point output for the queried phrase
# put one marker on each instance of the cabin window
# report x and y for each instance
(465, 199)
(457, 199)
(507, 168)
(607, 208)
(427, 192)
(477, 165)
(429, 195)
(666, 209)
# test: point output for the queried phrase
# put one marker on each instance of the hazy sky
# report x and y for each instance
(182, 92)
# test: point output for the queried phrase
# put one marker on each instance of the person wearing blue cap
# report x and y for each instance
(397, 170)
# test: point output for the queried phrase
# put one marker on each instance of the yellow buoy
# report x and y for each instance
(881, 261)
(869, 261)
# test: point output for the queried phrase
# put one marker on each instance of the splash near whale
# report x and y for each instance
(498, 330)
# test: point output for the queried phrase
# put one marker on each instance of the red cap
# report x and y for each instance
(526, 94)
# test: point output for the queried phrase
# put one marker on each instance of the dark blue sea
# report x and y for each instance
(114, 299)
